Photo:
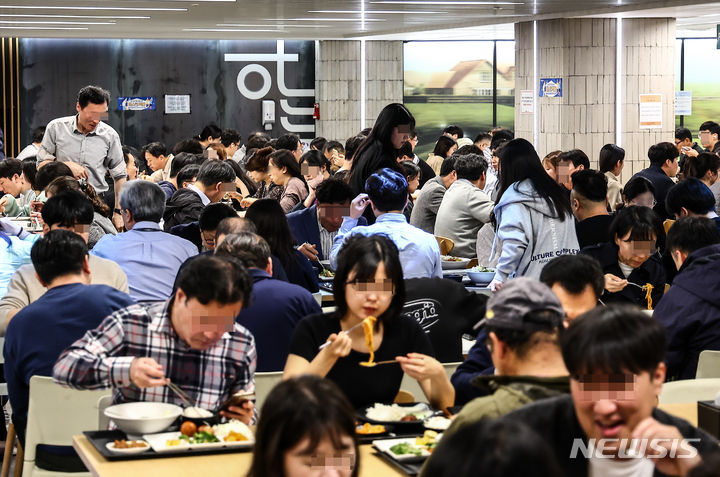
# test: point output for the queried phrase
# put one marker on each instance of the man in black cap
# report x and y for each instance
(523, 322)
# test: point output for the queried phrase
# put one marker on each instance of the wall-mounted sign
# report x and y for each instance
(177, 104)
(551, 87)
(135, 103)
(651, 111)
(683, 103)
(527, 101)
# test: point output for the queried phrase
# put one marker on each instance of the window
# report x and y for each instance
(701, 69)
(451, 83)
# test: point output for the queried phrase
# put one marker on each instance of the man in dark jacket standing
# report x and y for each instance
(609, 426)
(214, 180)
(663, 169)
(690, 311)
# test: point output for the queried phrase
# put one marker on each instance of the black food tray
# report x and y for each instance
(100, 438)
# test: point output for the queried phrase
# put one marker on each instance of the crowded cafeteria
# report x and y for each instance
(394, 238)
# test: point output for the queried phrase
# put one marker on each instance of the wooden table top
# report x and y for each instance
(685, 410)
(230, 465)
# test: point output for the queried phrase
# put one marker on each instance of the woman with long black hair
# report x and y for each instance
(379, 150)
(535, 221)
(272, 225)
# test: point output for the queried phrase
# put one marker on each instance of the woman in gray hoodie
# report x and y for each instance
(534, 220)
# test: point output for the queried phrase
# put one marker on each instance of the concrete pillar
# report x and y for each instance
(337, 84)
(583, 53)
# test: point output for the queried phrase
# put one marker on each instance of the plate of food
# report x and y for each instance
(123, 446)
(190, 437)
(437, 423)
(481, 275)
(326, 275)
(402, 417)
(453, 263)
(410, 449)
(371, 430)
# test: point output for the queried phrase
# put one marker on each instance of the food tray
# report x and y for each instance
(99, 440)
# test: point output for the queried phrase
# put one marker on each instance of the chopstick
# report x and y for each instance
(184, 397)
(327, 343)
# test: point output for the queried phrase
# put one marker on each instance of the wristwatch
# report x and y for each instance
(117, 211)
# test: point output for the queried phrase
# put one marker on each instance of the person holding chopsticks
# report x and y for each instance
(368, 282)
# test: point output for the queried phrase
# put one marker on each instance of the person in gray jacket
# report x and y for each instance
(431, 195)
(533, 214)
(465, 207)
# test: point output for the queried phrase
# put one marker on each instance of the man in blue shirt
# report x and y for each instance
(276, 306)
(39, 333)
(387, 194)
(149, 257)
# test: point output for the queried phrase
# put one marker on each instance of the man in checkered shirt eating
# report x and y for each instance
(191, 339)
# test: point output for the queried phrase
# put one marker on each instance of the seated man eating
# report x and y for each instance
(191, 339)
(609, 426)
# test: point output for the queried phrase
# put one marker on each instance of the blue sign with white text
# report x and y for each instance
(135, 103)
(551, 87)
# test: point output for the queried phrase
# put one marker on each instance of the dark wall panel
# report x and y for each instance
(53, 70)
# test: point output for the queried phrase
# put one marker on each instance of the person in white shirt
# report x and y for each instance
(32, 149)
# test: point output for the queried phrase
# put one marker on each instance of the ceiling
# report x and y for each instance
(311, 19)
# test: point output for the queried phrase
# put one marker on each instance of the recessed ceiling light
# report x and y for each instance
(108, 17)
(267, 26)
(16, 22)
(232, 29)
(134, 9)
(43, 28)
(429, 2)
(381, 12)
(322, 19)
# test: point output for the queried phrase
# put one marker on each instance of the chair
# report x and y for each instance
(404, 397)
(264, 382)
(55, 414)
(103, 403)
(667, 224)
(412, 387)
(446, 244)
(11, 439)
(708, 365)
(689, 390)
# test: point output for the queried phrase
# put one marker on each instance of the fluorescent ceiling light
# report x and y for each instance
(268, 26)
(134, 9)
(381, 12)
(323, 19)
(16, 22)
(230, 29)
(428, 2)
(108, 17)
(43, 28)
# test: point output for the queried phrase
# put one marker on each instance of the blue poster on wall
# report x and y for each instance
(551, 87)
(135, 103)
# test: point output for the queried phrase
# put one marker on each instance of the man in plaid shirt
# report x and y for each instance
(192, 339)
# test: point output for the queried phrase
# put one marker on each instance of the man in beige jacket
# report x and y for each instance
(69, 211)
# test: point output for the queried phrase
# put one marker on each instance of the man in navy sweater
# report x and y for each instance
(42, 330)
(276, 307)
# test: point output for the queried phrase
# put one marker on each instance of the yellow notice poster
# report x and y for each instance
(651, 109)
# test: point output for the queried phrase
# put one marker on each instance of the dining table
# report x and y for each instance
(235, 464)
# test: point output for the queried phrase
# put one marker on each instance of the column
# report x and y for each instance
(583, 52)
(338, 84)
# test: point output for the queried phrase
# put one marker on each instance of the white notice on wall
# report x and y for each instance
(177, 104)
(527, 101)
(651, 108)
(683, 103)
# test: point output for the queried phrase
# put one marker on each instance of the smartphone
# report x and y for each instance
(237, 399)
